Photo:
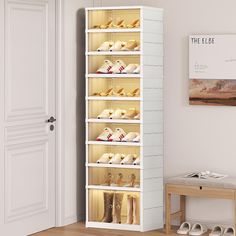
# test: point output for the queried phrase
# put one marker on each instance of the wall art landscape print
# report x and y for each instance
(212, 70)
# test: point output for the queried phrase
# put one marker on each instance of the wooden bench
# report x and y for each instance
(222, 189)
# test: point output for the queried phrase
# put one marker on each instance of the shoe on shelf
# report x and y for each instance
(130, 137)
(137, 117)
(130, 114)
(105, 68)
(108, 207)
(134, 24)
(120, 92)
(137, 70)
(137, 161)
(198, 229)
(117, 114)
(118, 67)
(129, 159)
(129, 69)
(217, 231)
(118, 135)
(129, 209)
(107, 180)
(137, 48)
(230, 231)
(119, 181)
(105, 158)
(137, 139)
(109, 92)
(117, 158)
(109, 24)
(184, 228)
(105, 135)
(105, 46)
(131, 182)
(134, 93)
(105, 114)
(120, 24)
(130, 45)
(117, 46)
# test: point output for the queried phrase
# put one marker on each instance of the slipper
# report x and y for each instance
(118, 135)
(117, 114)
(137, 139)
(105, 68)
(134, 93)
(118, 67)
(184, 228)
(198, 229)
(105, 135)
(117, 46)
(137, 70)
(105, 46)
(105, 158)
(217, 231)
(105, 114)
(130, 137)
(134, 24)
(130, 114)
(116, 159)
(137, 161)
(129, 69)
(130, 45)
(230, 231)
(129, 159)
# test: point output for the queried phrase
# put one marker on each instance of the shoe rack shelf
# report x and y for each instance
(125, 206)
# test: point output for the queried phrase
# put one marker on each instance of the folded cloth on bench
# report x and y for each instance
(227, 182)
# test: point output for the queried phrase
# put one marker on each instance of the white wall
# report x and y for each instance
(196, 137)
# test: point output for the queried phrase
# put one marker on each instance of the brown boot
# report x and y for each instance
(118, 197)
(135, 210)
(108, 205)
(129, 209)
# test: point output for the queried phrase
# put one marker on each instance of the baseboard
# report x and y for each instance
(70, 220)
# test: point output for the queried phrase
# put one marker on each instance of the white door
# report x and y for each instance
(27, 101)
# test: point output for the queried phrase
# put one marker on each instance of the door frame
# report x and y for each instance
(60, 115)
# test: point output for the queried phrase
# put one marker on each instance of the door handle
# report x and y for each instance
(51, 120)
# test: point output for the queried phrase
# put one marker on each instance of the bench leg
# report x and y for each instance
(182, 208)
(168, 210)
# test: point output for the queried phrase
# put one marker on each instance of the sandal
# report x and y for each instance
(131, 181)
(105, 135)
(107, 180)
(119, 182)
(134, 24)
(134, 93)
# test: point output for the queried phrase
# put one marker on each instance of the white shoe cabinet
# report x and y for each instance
(149, 174)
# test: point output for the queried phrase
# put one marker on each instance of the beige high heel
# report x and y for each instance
(134, 93)
(120, 92)
(134, 24)
(109, 92)
(120, 24)
(107, 180)
(119, 181)
(109, 24)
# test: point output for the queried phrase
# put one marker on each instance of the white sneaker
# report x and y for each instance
(117, 158)
(105, 135)
(118, 135)
(137, 139)
(105, 158)
(129, 69)
(105, 46)
(129, 159)
(137, 70)
(118, 67)
(117, 114)
(137, 161)
(130, 137)
(105, 68)
(105, 114)
(117, 46)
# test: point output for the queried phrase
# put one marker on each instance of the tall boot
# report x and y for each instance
(129, 209)
(136, 214)
(108, 205)
(118, 197)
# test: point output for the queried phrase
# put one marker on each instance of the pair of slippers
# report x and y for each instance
(199, 229)
(119, 46)
(118, 67)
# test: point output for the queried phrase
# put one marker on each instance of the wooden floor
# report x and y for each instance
(80, 230)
